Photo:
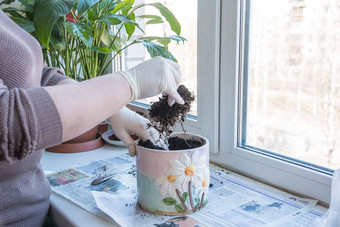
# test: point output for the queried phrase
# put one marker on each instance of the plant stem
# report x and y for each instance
(67, 57)
(47, 56)
(111, 45)
(190, 197)
(201, 204)
(183, 203)
(84, 66)
(74, 55)
(108, 63)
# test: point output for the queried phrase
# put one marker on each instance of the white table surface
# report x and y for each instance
(64, 212)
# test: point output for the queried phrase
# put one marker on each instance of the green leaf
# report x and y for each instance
(154, 19)
(27, 25)
(132, 9)
(109, 5)
(197, 200)
(158, 50)
(28, 4)
(92, 16)
(14, 12)
(46, 13)
(169, 201)
(57, 43)
(177, 38)
(130, 28)
(185, 196)
(114, 19)
(149, 38)
(82, 31)
(126, 4)
(197, 206)
(60, 46)
(179, 207)
(108, 37)
(103, 50)
(166, 13)
(84, 5)
(25, 2)
(170, 18)
(6, 2)
(164, 40)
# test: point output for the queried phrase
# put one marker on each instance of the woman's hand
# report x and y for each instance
(127, 122)
(155, 76)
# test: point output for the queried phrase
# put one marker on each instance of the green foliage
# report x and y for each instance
(179, 207)
(46, 14)
(174, 24)
(24, 23)
(154, 19)
(198, 203)
(130, 28)
(185, 196)
(81, 31)
(126, 4)
(84, 5)
(155, 49)
(6, 2)
(197, 200)
(77, 35)
(169, 201)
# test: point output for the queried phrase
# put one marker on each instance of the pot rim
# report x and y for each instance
(206, 143)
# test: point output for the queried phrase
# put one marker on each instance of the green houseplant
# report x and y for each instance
(83, 37)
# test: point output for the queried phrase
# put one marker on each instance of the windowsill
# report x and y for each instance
(66, 213)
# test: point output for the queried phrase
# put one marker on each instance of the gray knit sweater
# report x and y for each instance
(29, 122)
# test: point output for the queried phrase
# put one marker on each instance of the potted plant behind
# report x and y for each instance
(173, 181)
(83, 37)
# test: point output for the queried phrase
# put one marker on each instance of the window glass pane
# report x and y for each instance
(292, 80)
(186, 54)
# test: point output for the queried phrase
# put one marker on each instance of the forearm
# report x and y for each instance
(83, 105)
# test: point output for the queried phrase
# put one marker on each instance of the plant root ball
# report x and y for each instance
(165, 116)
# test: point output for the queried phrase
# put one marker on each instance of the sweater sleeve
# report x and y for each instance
(52, 76)
(29, 121)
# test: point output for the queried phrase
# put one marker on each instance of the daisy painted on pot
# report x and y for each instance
(204, 187)
(167, 185)
(188, 169)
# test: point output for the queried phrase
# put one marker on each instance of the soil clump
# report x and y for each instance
(164, 117)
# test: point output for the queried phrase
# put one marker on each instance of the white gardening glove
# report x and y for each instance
(127, 122)
(153, 77)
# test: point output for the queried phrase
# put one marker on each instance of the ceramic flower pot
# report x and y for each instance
(87, 141)
(173, 182)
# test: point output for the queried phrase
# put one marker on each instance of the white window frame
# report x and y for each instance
(267, 169)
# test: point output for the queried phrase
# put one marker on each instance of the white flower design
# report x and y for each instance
(167, 185)
(188, 169)
(205, 183)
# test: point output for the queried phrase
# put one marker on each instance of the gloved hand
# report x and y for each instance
(127, 122)
(155, 76)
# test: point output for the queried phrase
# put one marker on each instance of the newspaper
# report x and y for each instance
(233, 201)
(75, 184)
